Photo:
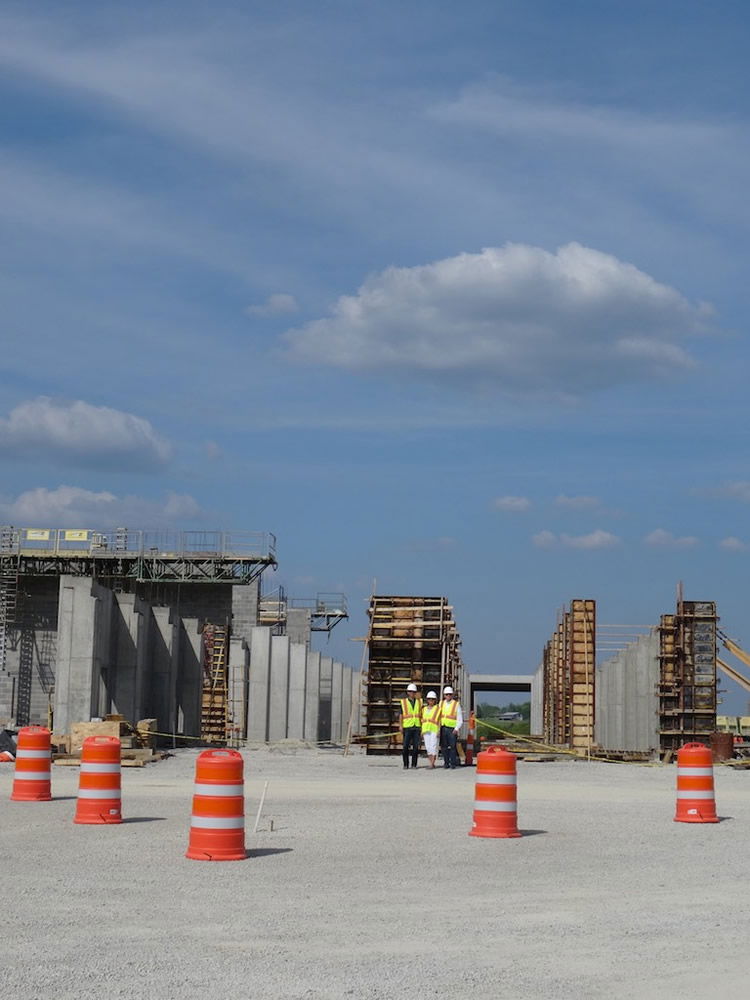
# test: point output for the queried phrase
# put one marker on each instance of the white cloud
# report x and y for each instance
(665, 539)
(732, 544)
(577, 502)
(72, 506)
(275, 305)
(517, 318)
(738, 490)
(598, 539)
(85, 434)
(513, 504)
(544, 539)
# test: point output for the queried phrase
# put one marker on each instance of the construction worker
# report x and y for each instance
(431, 727)
(411, 725)
(451, 721)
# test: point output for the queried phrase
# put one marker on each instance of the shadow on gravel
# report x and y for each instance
(143, 819)
(260, 852)
(531, 833)
(64, 798)
(723, 819)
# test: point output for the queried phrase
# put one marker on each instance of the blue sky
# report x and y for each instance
(451, 298)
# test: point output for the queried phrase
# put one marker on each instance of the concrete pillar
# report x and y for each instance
(295, 729)
(162, 704)
(278, 702)
(245, 598)
(298, 622)
(237, 697)
(75, 653)
(190, 679)
(126, 682)
(258, 689)
(312, 696)
(324, 716)
(346, 702)
(357, 695)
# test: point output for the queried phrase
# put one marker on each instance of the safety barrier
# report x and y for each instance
(495, 806)
(31, 780)
(217, 824)
(99, 791)
(695, 785)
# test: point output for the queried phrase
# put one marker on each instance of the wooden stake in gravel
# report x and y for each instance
(260, 807)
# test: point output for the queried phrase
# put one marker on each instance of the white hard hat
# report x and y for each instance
(412, 687)
(448, 690)
(431, 694)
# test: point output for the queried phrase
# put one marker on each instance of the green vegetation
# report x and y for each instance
(489, 719)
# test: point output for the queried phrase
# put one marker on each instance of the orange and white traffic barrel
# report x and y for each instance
(495, 804)
(217, 825)
(470, 741)
(99, 791)
(31, 780)
(695, 785)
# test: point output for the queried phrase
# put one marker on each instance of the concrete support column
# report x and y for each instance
(326, 689)
(357, 696)
(190, 680)
(245, 599)
(337, 677)
(162, 703)
(258, 688)
(278, 702)
(312, 696)
(237, 699)
(74, 680)
(298, 621)
(295, 728)
(346, 702)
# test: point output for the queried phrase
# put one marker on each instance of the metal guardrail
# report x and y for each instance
(127, 543)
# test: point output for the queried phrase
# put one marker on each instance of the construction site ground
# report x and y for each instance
(362, 882)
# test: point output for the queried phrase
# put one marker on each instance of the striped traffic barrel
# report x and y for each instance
(495, 809)
(31, 780)
(695, 785)
(99, 793)
(217, 824)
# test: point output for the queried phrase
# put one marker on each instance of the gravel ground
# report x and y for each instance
(369, 887)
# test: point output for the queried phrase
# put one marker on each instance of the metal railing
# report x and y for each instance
(129, 543)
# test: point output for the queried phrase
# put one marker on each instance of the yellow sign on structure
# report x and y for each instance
(76, 535)
(37, 534)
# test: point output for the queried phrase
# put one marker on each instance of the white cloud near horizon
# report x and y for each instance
(598, 539)
(733, 544)
(665, 539)
(737, 490)
(576, 502)
(73, 506)
(517, 318)
(81, 433)
(279, 304)
(511, 504)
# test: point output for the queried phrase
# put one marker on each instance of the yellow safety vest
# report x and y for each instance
(412, 712)
(448, 713)
(430, 718)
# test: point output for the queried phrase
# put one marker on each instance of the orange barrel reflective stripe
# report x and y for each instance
(470, 742)
(99, 793)
(448, 713)
(217, 825)
(695, 785)
(31, 779)
(495, 809)
(412, 713)
(430, 717)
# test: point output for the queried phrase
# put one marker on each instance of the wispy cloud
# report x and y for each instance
(518, 318)
(665, 539)
(732, 544)
(83, 434)
(73, 506)
(279, 304)
(577, 502)
(511, 504)
(598, 539)
(737, 490)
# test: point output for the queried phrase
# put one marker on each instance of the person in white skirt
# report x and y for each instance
(431, 726)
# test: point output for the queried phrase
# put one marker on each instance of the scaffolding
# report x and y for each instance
(410, 640)
(214, 696)
(569, 670)
(326, 610)
(687, 673)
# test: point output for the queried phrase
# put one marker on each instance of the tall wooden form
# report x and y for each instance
(411, 639)
(569, 678)
(214, 693)
(687, 674)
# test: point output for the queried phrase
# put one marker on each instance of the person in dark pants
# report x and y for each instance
(451, 720)
(411, 725)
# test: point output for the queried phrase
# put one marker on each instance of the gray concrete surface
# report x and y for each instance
(369, 887)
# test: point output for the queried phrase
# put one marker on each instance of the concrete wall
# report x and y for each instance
(537, 702)
(627, 704)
